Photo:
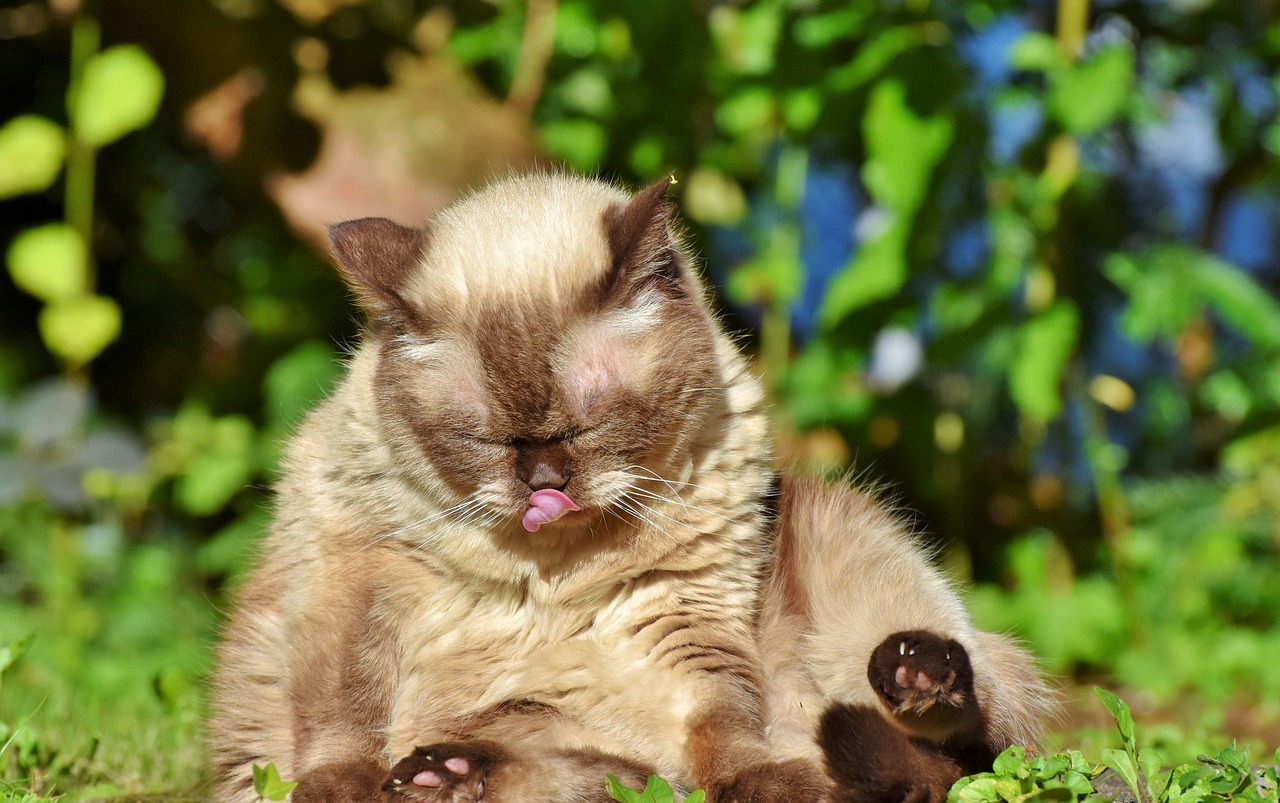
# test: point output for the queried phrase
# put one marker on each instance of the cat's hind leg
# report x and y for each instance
(856, 618)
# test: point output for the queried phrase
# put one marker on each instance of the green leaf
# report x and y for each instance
(78, 329)
(1120, 711)
(1036, 52)
(12, 652)
(618, 791)
(1045, 345)
(222, 467)
(119, 92)
(876, 54)
(1122, 764)
(579, 142)
(1169, 286)
(821, 30)
(50, 262)
(746, 39)
(749, 109)
(903, 148)
(267, 783)
(876, 272)
(1011, 763)
(696, 796)
(1086, 96)
(31, 153)
(658, 790)
(298, 380)
(1150, 761)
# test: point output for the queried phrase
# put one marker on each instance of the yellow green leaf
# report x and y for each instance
(78, 329)
(50, 262)
(31, 153)
(119, 92)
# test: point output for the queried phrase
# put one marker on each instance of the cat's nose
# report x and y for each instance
(545, 475)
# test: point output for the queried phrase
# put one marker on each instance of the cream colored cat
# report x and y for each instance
(522, 547)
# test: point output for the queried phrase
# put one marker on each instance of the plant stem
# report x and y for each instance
(1073, 23)
(80, 156)
(536, 48)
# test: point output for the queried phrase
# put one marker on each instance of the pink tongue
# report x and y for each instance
(544, 506)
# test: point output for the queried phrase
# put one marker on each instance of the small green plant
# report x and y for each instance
(1019, 775)
(268, 785)
(656, 790)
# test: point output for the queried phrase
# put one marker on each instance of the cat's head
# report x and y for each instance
(543, 345)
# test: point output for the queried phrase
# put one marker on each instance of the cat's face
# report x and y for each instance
(544, 341)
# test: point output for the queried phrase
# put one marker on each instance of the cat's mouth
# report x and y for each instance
(545, 506)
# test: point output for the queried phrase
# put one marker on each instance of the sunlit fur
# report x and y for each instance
(398, 602)
(848, 575)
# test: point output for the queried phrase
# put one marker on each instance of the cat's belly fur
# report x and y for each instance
(466, 655)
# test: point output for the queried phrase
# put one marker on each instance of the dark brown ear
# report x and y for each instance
(641, 246)
(376, 257)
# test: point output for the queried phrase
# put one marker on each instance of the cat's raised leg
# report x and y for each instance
(926, 682)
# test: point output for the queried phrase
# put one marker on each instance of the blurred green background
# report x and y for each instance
(1017, 260)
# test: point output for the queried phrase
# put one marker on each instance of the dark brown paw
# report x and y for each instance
(915, 671)
(775, 782)
(443, 773)
(871, 760)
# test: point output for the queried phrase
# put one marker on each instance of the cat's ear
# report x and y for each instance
(376, 257)
(642, 249)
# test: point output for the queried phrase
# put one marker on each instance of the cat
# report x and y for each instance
(522, 546)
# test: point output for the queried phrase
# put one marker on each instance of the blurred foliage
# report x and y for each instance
(1023, 268)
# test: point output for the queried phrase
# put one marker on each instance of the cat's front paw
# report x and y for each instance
(449, 772)
(915, 671)
(775, 782)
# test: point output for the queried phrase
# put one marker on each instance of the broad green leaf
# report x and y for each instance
(746, 39)
(267, 782)
(801, 108)
(696, 796)
(1120, 711)
(1150, 761)
(222, 466)
(1011, 763)
(579, 142)
(119, 92)
(1122, 764)
(620, 792)
(299, 379)
(1086, 96)
(31, 153)
(78, 329)
(876, 272)
(875, 55)
(979, 790)
(658, 790)
(1045, 345)
(1036, 51)
(902, 148)
(50, 262)
(750, 109)
(823, 29)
